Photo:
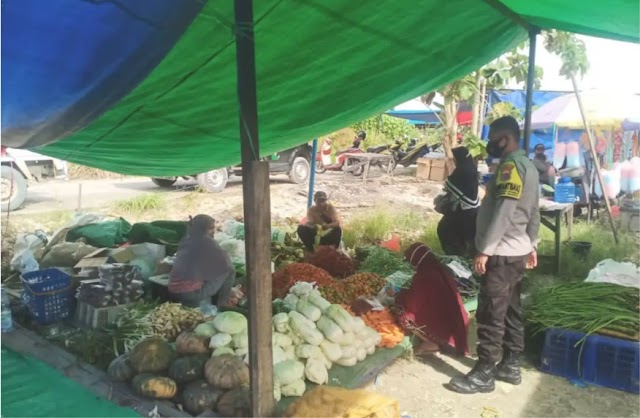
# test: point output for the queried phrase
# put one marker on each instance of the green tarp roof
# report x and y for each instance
(321, 65)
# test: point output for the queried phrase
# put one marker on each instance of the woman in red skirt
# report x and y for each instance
(432, 308)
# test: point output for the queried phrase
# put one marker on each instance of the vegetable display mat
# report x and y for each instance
(30, 388)
(359, 375)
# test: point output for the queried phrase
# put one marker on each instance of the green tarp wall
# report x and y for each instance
(321, 65)
(30, 388)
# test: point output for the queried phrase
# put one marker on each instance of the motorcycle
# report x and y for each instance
(406, 157)
(324, 163)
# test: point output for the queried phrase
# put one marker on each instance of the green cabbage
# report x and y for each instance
(281, 322)
(295, 388)
(349, 351)
(361, 354)
(288, 371)
(277, 393)
(307, 351)
(281, 340)
(330, 329)
(278, 355)
(316, 298)
(347, 361)
(305, 328)
(205, 330)
(220, 340)
(309, 310)
(222, 350)
(241, 352)
(331, 351)
(230, 322)
(341, 317)
(241, 340)
(316, 371)
(290, 301)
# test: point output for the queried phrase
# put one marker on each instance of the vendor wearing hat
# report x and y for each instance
(546, 172)
(322, 221)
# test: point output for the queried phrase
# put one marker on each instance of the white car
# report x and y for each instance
(19, 168)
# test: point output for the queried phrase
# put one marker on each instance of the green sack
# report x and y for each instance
(105, 234)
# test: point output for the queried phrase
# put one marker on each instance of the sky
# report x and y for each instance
(613, 66)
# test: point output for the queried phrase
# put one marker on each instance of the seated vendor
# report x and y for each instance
(202, 269)
(322, 218)
(432, 308)
(546, 171)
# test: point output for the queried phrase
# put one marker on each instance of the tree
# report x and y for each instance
(511, 66)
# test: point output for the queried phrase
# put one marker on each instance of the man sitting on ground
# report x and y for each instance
(323, 219)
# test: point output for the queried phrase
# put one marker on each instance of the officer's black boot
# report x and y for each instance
(481, 378)
(509, 369)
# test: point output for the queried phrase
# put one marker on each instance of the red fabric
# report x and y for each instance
(184, 286)
(464, 118)
(433, 303)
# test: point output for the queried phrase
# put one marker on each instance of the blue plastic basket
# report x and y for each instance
(561, 354)
(47, 293)
(599, 360)
(613, 363)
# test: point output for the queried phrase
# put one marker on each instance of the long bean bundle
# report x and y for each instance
(588, 308)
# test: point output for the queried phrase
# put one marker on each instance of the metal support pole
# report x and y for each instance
(257, 217)
(531, 74)
(596, 162)
(312, 176)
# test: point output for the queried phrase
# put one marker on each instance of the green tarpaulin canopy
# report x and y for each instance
(321, 65)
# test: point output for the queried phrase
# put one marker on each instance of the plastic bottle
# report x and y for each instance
(573, 155)
(565, 191)
(559, 154)
(7, 321)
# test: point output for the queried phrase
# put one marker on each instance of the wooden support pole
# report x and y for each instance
(257, 217)
(596, 162)
(312, 175)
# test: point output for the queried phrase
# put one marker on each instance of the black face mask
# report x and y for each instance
(494, 149)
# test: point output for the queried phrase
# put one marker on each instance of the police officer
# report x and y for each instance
(506, 238)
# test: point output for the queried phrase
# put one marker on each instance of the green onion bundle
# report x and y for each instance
(587, 307)
(384, 262)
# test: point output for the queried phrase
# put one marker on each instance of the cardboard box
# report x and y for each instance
(424, 168)
(439, 171)
(106, 255)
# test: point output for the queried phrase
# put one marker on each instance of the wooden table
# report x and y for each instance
(355, 161)
(551, 217)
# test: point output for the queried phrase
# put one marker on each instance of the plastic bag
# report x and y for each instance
(330, 401)
(610, 271)
(26, 245)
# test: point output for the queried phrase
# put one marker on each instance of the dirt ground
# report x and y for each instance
(416, 384)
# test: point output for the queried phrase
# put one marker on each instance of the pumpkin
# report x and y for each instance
(190, 343)
(120, 369)
(157, 387)
(187, 369)
(226, 372)
(199, 396)
(151, 355)
(235, 403)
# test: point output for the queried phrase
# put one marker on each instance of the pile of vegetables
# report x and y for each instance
(385, 324)
(282, 280)
(384, 262)
(588, 308)
(187, 374)
(170, 319)
(312, 337)
(282, 255)
(335, 262)
(353, 287)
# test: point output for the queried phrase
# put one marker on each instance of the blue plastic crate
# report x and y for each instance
(47, 293)
(562, 353)
(613, 363)
(598, 360)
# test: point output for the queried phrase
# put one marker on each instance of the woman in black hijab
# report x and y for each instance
(457, 228)
(202, 269)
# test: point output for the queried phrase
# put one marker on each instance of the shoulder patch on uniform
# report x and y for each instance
(508, 181)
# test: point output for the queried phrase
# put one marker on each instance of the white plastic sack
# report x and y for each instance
(610, 271)
(25, 246)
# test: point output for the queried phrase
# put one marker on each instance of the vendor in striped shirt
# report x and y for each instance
(457, 228)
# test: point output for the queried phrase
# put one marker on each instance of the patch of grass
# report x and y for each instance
(140, 204)
(380, 224)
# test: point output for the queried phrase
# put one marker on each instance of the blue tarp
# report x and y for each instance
(518, 99)
(416, 117)
(56, 97)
